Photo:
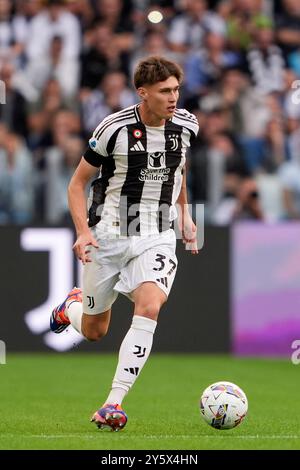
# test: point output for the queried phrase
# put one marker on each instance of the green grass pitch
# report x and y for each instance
(47, 400)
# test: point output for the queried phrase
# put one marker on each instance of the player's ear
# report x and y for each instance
(142, 92)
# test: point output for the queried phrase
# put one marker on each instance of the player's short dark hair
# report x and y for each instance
(156, 69)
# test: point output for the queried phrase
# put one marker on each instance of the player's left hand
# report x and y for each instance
(189, 233)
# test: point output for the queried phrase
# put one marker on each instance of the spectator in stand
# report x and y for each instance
(83, 11)
(51, 100)
(13, 113)
(112, 96)
(65, 123)
(102, 56)
(54, 66)
(217, 168)
(60, 163)
(205, 67)
(275, 146)
(248, 204)
(265, 59)
(242, 16)
(16, 179)
(228, 94)
(265, 7)
(54, 20)
(288, 26)
(51, 138)
(117, 16)
(289, 174)
(187, 30)
(26, 11)
(258, 113)
(39, 135)
(291, 98)
(10, 47)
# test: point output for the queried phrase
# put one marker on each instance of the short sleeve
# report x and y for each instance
(98, 141)
(97, 148)
(93, 158)
(192, 125)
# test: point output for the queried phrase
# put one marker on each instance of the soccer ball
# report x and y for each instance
(223, 405)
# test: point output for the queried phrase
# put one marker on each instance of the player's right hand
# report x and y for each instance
(80, 246)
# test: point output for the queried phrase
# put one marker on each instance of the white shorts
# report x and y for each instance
(122, 264)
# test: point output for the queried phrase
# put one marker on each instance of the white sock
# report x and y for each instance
(74, 312)
(133, 354)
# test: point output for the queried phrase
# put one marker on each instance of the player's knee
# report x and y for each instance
(149, 310)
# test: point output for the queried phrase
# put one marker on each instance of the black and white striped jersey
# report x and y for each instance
(141, 171)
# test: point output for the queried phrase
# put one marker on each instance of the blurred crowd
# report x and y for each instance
(67, 64)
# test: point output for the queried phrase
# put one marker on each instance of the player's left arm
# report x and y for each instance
(186, 224)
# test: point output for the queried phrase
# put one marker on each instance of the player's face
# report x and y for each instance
(161, 98)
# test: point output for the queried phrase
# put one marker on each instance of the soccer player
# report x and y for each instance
(128, 243)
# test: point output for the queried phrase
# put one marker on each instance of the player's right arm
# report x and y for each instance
(100, 146)
(78, 209)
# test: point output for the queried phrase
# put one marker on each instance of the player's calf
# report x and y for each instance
(94, 327)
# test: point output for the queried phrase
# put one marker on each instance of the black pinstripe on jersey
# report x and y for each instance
(132, 188)
(98, 189)
(173, 158)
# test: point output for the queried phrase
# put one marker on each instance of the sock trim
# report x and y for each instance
(143, 323)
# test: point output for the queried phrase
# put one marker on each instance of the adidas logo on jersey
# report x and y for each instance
(137, 147)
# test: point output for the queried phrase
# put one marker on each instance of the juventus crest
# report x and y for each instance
(174, 140)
